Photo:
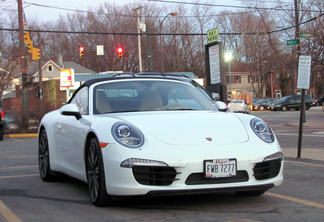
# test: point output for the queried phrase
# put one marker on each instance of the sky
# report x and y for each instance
(51, 14)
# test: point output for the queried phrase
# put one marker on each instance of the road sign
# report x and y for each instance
(292, 42)
(307, 35)
(212, 36)
(304, 70)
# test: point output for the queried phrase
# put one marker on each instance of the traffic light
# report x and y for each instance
(28, 42)
(120, 52)
(36, 53)
(81, 51)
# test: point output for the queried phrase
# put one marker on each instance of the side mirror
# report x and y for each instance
(71, 110)
(221, 106)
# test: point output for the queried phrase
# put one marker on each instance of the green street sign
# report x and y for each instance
(212, 36)
(307, 35)
(292, 42)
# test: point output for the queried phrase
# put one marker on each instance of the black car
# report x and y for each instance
(292, 102)
(263, 104)
(320, 101)
(2, 122)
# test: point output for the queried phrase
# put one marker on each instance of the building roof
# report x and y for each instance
(78, 69)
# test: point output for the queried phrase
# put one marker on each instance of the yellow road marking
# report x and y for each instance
(311, 164)
(8, 214)
(296, 200)
(16, 176)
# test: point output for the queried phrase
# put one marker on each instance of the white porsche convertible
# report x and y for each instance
(156, 135)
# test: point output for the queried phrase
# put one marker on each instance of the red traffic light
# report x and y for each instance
(81, 51)
(120, 52)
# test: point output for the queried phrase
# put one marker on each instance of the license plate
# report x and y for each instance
(220, 168)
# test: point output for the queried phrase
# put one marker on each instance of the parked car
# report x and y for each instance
(292, 102)
(2, 121)
(239, 106)
(320, 101)
(264, 104)
(155, 135)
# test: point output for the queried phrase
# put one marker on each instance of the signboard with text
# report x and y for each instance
(292, 42)
(307, 35)
(212, 36)
(66, 78)
(214, 64)
(304, 70)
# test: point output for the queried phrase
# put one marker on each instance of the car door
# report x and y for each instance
(73, 134)
(291, 103)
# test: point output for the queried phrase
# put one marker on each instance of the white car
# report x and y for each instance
(239, 106)
(156, 134)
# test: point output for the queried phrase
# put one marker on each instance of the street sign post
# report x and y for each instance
(307, 35)
(292, 42)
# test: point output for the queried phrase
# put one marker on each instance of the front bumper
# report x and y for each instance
(187, 176)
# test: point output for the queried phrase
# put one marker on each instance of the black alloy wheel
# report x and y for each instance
(96, 175)
(43, 158)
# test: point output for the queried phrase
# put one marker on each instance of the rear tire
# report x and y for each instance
(96, 175)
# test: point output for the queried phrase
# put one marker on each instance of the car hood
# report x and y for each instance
(190, 128)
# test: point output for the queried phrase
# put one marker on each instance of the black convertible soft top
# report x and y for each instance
(153, 75)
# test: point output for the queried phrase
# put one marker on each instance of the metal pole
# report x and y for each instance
(139, 39)
(230, 77)
(162, 45)
(162, 39)
(149, 55)
(302, 110)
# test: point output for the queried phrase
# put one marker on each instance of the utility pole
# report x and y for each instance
(138, 12)
(22, 44)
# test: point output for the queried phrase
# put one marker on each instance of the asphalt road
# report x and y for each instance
(25, 197)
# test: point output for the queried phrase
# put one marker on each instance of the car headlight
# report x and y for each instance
(127, 135)
(262, 130)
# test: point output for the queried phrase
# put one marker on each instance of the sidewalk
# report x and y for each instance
(307, 153)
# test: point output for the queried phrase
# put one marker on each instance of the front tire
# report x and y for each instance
(44, 158)
(284, 108)
(96, 175)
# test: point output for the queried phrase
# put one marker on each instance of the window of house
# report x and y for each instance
(253, 79)
(50, 68)
(236, 79)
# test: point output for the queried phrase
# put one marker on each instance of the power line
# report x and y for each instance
(168, 34)
(228, 6)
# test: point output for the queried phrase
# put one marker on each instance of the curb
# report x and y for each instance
(22, 135)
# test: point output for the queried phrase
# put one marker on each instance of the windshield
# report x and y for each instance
(283, 99)
(147, 95)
